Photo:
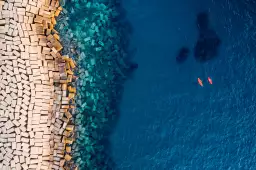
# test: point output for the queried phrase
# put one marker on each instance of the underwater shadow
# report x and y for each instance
(208, 42)
(115, 113)
(207, 45)
(127, 68)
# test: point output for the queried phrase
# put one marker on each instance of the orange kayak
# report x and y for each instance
(209, 80)
(200, 82)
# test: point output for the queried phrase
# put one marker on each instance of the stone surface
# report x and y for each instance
(27, 98)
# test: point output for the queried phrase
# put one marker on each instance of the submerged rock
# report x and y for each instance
(98, 42)
(182, 55)
(133, 66)
(207, 46)
(202, 21)
(208, 42)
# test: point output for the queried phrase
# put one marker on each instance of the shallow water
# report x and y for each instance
(167, 120)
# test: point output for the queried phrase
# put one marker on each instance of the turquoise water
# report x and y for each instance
(94, 35)
(162, 119)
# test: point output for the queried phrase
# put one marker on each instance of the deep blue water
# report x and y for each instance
(167, 120)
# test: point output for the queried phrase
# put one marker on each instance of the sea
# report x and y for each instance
(166, 119)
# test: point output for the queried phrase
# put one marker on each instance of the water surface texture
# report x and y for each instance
(169, 122)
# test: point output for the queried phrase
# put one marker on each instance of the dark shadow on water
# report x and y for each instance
(207, 45)
(182, 55)
(208, 42)
(202, 21)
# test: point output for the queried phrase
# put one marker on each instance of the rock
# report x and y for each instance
(133, 66)
(202, 21)
(182, 55)
(208, 42)
(207, 46)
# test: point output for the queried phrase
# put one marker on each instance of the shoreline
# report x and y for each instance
(95, 37)
(37, 88)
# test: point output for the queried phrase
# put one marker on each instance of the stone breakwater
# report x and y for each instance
(37, 88)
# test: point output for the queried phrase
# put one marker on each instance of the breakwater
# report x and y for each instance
(93, 34)
(37, 88)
